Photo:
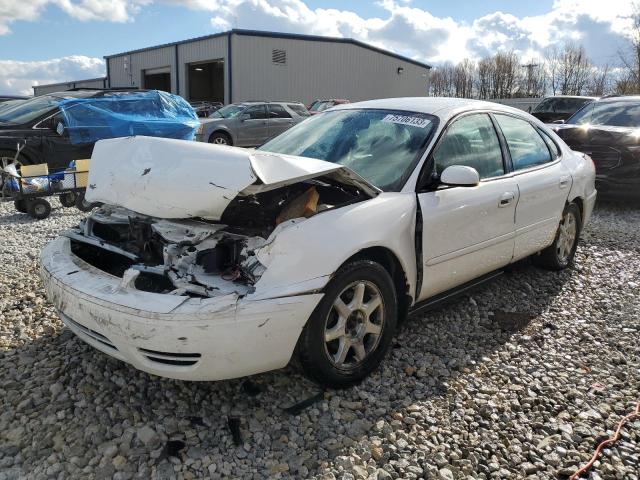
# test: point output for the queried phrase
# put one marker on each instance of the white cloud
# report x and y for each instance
(83, 10)
(18, 77)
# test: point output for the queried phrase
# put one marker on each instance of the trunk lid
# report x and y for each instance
(169, 178)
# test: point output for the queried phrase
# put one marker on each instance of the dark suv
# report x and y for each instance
(561, 107)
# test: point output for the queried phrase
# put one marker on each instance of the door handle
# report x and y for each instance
(564, 182)
(506, 199)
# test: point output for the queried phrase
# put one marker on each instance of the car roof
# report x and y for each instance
(580, 97)
(442, 107)
(619, 98)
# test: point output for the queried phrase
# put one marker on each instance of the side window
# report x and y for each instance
(277, 111)
(526, 146)
(553, 147)
(471, 141)
(256, 112)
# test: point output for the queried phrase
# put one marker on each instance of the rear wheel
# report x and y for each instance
(560, 254)
(67, 199)
(220, 138)
(349, 332)
(39, 208)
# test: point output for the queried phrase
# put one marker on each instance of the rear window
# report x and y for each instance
(526, 146)
(616, 114)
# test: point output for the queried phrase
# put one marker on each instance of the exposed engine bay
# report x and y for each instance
(198, 257)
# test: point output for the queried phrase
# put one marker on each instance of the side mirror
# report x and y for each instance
(244, 117)
(559, 122)
(460, 176)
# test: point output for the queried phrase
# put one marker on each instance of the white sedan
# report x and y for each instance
(208, 262)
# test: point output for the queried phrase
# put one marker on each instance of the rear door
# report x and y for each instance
(253, 130)
(279, 119)
(57, 148)
(467, 231)
(543, 183)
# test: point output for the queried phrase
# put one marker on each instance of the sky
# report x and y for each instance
(47, 41)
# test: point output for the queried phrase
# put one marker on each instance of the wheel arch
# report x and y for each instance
(223, 132)
(391, 263)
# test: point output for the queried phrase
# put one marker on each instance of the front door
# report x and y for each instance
(60, 146)
(253, 130)
(467, 231)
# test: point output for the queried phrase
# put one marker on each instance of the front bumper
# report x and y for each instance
(169, 335)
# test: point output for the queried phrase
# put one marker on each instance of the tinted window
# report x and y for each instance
(380, 145)
(278, 111)
(526, 146)
(256, 112)
(471, 141)
(299, 109)
(617, 114)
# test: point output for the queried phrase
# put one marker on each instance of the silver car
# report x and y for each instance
(249, 124)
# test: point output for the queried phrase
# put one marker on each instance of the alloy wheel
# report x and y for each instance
(354, 324)
(567, 237)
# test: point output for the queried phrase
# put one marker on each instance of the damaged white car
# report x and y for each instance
(208, 262)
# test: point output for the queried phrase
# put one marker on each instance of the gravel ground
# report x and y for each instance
(521, 379)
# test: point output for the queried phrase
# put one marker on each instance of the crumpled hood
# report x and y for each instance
(168, 178)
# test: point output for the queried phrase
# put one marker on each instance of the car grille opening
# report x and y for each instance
(171, 358)
(98, 337)
(105, 260)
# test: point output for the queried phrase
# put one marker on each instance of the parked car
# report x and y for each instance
(561, 107)
(48, 137)
(321, 105)
(211, 262)
(608, 130)
(248, 124)
(204, 108)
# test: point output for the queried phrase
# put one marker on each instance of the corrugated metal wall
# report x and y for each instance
(60, 87)
(200, 51)
(319, 70)
(137, 63)
(313, 69)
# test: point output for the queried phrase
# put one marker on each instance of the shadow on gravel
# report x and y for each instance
(61, 396)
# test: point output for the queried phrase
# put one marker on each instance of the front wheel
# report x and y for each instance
(38, 208)
(219, 138)
(560, 254)
(349, 332)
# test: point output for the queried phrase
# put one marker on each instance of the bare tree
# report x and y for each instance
(534, 81)
(569, 69)
(600, 83)
(629, 81)
(463, 75)
(441, 81)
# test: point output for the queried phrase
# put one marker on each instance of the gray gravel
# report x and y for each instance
(519, 380)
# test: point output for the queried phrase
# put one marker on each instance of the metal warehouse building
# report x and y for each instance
(57, 87)
(241, 65)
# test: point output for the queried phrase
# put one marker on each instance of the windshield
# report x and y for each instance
(28, 110)
(380, 145)
(230, 111)
(616, 114)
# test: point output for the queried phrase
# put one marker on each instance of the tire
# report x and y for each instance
(20, 206)
(68, 199)
(220, 138)
(560, 254)
(82, 204)
(22, 160)
(38, 208)
(349, 357)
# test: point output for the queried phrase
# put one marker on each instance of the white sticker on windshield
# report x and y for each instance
(420, 122)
